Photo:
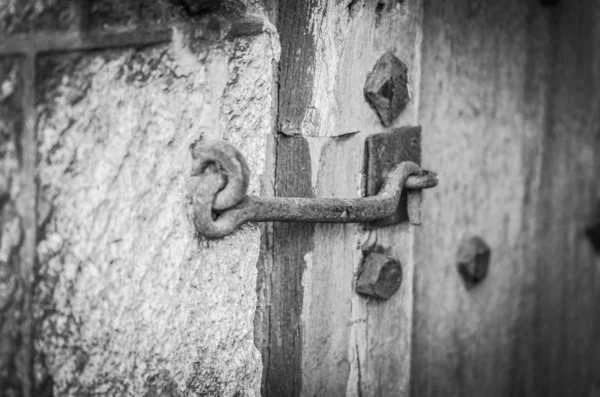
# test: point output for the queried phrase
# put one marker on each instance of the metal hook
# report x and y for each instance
(213, 193)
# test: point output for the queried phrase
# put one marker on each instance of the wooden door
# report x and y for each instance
(106, 288)
(319, 337)
(510, 119)
(505, 93)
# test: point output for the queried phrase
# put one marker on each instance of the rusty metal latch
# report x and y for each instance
(219, 183)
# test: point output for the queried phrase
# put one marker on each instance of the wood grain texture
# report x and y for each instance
(350, 345)
(297, 21)
(567, 285)
(509, 114)
(291, 242)
(328, 277)
(379, 345)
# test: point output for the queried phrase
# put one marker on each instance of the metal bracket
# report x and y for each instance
(220, 179)
(383, 152)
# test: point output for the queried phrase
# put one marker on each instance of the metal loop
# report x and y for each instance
(228, 198)
(232, 165)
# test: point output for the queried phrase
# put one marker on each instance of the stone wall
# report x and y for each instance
(105, 288)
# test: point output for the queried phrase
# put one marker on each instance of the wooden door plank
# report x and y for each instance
(567, 286)
(511, 122)
(327, 279)
(282, 355)
(298, 23)
(350, 345)
(475, 120)
(379, 348)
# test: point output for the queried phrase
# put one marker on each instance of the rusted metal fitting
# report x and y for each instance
(383, 151)
(232, 168)
(220, 204)
(386, 88)
(380, 277)
(473, 260)
(593, 230)
(593, 235)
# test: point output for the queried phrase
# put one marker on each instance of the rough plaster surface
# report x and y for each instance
(19, 16)
(131, 302)
(11, 227)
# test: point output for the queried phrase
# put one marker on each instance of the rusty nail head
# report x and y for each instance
(381, 276)
(473, 260)
(386, 88)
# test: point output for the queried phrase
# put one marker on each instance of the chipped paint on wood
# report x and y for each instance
(345, 338)
(291, 242)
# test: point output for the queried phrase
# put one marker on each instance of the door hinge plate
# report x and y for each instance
(382, 152)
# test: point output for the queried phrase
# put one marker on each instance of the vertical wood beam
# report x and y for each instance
(291, 242)
(481, 120)
(511, 121)
(349, 344)
(297, 24)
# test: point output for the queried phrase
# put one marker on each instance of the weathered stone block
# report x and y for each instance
(11, 229)
(122, 15)
(131, 302)
(23, 16)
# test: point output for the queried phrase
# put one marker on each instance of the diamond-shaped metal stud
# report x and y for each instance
(473, 260)
(386, 88)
